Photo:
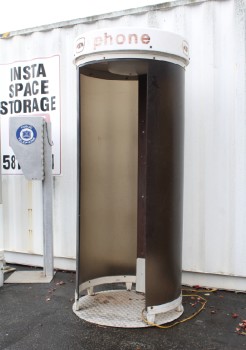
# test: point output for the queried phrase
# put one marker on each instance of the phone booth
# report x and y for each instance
(130, 170)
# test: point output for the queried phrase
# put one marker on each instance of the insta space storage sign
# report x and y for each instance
(30, 88)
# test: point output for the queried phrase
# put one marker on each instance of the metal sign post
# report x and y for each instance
(30, 139)
(47, 203)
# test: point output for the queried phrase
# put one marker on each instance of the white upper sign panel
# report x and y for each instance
(131, 42)
(30, 88)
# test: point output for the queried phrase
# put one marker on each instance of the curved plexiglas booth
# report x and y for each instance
(131, 126)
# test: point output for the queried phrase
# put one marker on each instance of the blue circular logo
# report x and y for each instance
(26, 134)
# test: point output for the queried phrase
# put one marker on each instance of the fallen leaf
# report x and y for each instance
(60, 283)
(234, 315)
(193, 305)
(242, 328)
(197, 286)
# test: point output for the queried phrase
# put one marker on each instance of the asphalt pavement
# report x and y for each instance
(40, 316)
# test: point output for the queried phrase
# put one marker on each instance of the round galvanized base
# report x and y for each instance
(119, 308)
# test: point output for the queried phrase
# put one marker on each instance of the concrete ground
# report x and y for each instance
(40, 316)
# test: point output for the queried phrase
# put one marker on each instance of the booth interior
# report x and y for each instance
(131, 177)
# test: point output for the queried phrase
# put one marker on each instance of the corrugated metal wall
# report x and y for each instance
(215, 168)
(214, 239)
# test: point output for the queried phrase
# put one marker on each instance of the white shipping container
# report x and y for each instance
(214, 240)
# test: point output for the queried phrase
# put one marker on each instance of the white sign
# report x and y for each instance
(131, 42)
(30, 88)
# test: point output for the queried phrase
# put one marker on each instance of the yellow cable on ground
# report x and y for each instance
(212, 290)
